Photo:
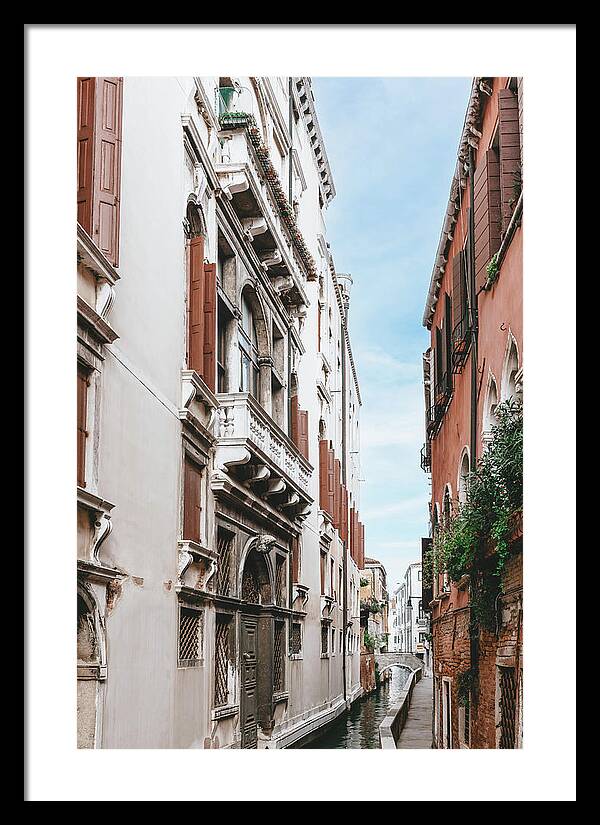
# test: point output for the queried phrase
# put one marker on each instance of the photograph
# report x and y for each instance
(298, 512)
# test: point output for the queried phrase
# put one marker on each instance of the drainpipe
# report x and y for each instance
(473, 640)
(344, 477)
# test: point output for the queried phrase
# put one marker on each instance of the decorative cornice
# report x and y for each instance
(469, 138)
(98, 327)
(90, 256)
(307, 107)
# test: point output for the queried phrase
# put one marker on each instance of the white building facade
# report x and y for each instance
(218, 588)
(410, 622)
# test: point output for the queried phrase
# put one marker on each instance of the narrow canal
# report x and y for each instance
(359, 727)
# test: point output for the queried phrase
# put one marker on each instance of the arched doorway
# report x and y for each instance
(255, 648)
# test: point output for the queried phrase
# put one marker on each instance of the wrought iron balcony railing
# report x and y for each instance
(426, 456)
(461, 341)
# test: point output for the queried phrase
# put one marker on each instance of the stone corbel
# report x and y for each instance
(301, 592)
(102, 529)
(261, 473)
(327, 603)
(254, 226)
(304, 513)
(184, 560)
(105, 296)
(274, 487)
(226, 422)
(293, 499)
(283, 284)
(200, 182)
(235, 182)
(190, 552)
(229, 456)
(270, 258)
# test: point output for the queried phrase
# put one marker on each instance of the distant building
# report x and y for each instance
(410, 623)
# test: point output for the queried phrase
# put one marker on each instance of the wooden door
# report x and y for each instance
(249, 703)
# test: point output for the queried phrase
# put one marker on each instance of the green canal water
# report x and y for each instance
(359, 727)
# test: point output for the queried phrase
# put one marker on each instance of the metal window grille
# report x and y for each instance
(324, 637)
(250, 592)
(278, 657)
(225, 549)
(296, 638)
(508, 704)
(190, 637)
(221, 660)
(280, 581)
(467, 722)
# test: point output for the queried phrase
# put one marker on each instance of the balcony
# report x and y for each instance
(259, 456)
(426, 457)
(461, 341)
(250, 194)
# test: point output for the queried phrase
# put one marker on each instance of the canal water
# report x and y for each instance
(359, 727)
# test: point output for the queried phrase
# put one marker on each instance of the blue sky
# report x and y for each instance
(392, 146)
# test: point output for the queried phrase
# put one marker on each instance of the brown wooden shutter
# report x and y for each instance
(442, 380)
(344, 525)
(459, 293)
(191, 501)
(510, 152)
(337, 497)
(295, 559)
(448, 321)
(210, 326)
(439, 361)
(196, 305)
(86, 98)
(352, 534)
(362, 546)
(107, 166)
(486, 198)
(323, 458)
(330, 482)
(82, 388)
(303, 432)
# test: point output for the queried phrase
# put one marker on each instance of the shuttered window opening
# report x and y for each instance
(191, 627)
(281, 581)
(510, 152)
(461, 332)
(202, 313)
(222, 655)
(323, 571)
(82, 401)
(279, 657)
(225, 550)
(99, 133)
(337, 493)
(508, 707)
(324, 638)
(296, 639)
(299, 427)
(487, 218)
(192, 501)
(296, 561)
(326, 477)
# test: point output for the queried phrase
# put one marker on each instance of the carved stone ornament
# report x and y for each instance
(183, 562)
(264, 542)
(102, 525)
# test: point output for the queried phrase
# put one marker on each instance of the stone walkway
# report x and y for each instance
(417, 730)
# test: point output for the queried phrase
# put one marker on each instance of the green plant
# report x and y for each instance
(364, 582)
(466, 684)
(492, 270)
(486, 521)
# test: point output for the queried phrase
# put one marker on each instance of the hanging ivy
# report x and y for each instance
(487, 520)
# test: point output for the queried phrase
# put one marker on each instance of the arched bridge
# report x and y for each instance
(385, 660)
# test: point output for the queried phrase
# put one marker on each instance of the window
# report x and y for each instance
(324, 639)
(332, 578)
(296, 639)
(489, 411)
(279, 657)
(296, 559)
(507, 703)
(191, 500)
(249, 372)
(224, 318)
(463, 478)
(191, 627)
(464, 722)
(333, 641)
(83, 383)
(323, 571)
(225, 550)
(446, 714)
(419, 575)
(222, 657)
(280, 581)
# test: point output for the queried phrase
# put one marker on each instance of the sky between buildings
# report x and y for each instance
(392, 146)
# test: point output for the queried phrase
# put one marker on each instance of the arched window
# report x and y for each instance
(489, 410)
(447, 506)
(88, 648)
(463, 477)
(249, 372)
(509, 373)
(256, 584)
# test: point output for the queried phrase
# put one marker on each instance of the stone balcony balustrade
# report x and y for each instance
(252, 449)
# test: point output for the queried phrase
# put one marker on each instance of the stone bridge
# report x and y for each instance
(385, 660)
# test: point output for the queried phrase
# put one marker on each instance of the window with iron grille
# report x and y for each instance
(280, 581)
(190, 637)
(296, 639)
(225, 549)
(222, 629)
(324, 637)
(467, 721)
(279, 657)
(508, 706)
